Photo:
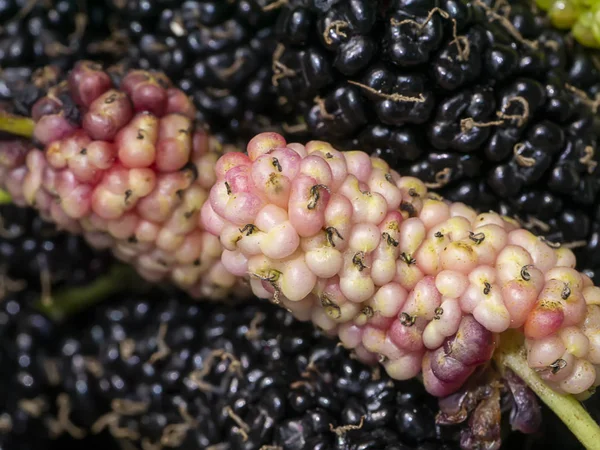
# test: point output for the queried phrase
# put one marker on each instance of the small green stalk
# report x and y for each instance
(511, 354)
(20, 126)
(4, 197)
(69, 301)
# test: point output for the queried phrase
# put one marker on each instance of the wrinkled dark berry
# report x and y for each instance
(218, 369)
(34, 251)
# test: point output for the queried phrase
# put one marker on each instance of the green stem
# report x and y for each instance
(4, 197)
(511, 354)
(20, 126)
(67, 302)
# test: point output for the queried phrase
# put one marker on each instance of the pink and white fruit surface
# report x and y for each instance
(400, 275)
(397, 273)
(130, 170)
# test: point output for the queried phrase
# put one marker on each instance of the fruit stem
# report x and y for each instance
(4, 197)
(18, 125)
(67, 302)
(512, 354)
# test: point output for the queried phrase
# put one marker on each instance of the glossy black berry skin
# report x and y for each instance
(32, 379)
(494, 115)
(36, 261)
(35, 252)
(58, 32)
(159, 368)
(27, 392)
(247, 375)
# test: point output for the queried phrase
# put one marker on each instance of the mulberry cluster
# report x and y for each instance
(160, 371)
(479, 100)
(153, 369)
(124, 165)
(401, 276)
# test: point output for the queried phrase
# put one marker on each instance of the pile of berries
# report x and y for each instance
(416, 118)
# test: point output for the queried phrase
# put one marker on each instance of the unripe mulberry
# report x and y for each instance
(123, 163)
(399, 274)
